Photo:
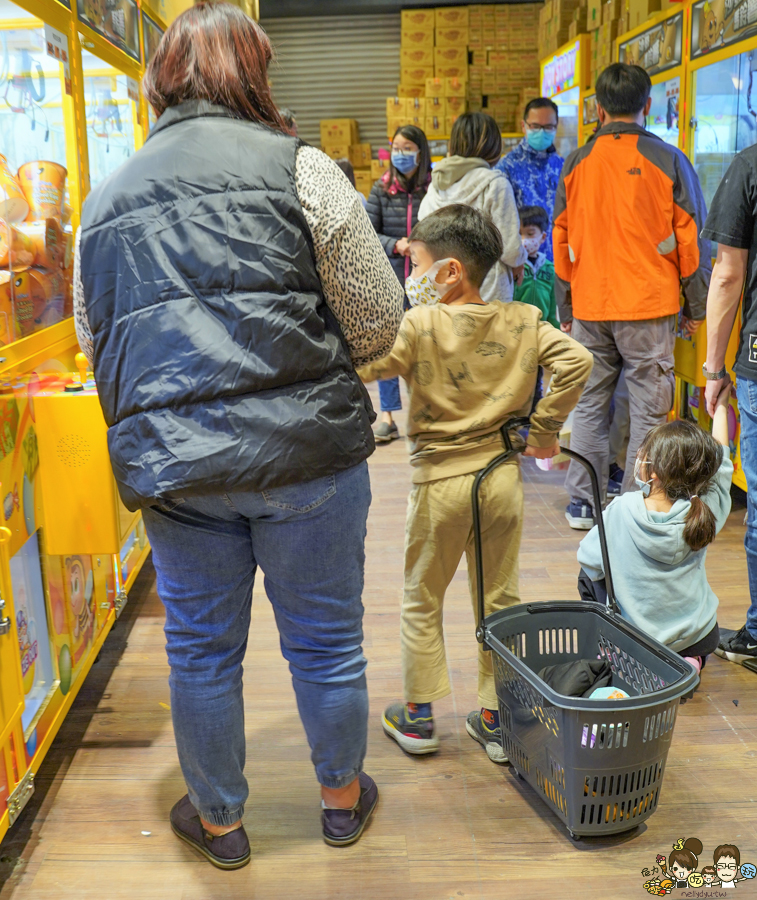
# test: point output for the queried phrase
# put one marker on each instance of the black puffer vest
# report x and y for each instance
(219, 365)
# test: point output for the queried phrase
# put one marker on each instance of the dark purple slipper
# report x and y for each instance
(344, 826)
(227, 851)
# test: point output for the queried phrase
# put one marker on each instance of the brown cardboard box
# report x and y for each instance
(393, 124)
(475, 104)
(415, 107)
(436, 107)
(451, 37)
(364, 181)
(411, 90)
(416, 74)
(337, 151)
(456, 106)
(452, 70)
(395, 106)
(378, 168)
(455, 87)
(451, 16)
(434, 87)
(418, 19)
(360, 155)
(339, 131)
(416, 37)
(416, 56)
(489, 81)
(498, 58)
(451, 56)
(434, 127)
(449, 122)
(593, 14)
(640, 10)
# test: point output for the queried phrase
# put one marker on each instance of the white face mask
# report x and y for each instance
(644, 486)
(424, 291)
(532, 244)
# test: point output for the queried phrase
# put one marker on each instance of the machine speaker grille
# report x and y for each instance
(74, 451)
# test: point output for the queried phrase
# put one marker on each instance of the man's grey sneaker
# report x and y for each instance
(737, 646)
(386, 433)
(344, 826)
(489, 738)
(414, 735)
(225, 851)
(580, 514)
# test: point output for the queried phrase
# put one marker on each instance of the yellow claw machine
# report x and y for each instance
(720, 120)
(565, 79)
(658, 47)
(71, 112)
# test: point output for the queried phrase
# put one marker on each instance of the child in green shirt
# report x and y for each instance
(538, 285)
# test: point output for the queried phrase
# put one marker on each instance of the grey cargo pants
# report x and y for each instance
(643, 351)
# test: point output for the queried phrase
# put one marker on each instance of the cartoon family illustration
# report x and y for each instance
(679, 870)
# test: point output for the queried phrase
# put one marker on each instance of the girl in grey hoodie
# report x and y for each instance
(466, 176)
(658, 536)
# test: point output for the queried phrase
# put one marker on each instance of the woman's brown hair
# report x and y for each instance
(214, 52)
(684, 458)
(476, 134)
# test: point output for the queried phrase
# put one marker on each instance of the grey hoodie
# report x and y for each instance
(660, 582)
(471, 181)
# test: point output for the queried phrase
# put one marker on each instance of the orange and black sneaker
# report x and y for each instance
(412, 731)
(483, 726)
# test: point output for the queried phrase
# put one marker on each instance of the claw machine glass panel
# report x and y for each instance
(111, 117)
(36, 238)
(151, 37)
(564, 79)
(658, 48)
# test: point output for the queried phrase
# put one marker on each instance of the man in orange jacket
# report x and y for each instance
(628, 213)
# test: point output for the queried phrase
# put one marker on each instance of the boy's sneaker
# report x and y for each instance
(414, 735)
(737, 646)
(580, 514)
(615, 481)
(344, 826)
(489, 738)
(386, 433)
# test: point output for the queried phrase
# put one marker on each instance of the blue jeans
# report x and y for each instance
(746, 392)
(309, 541)
(389, 395)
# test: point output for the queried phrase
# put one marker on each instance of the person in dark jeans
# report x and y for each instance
(731, 223)
(243, 283)
(393, 207)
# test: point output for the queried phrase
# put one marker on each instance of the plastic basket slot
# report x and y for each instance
(551, 792)
(527, 696)
(516, 754)
(557, 771)
(506, 718)
(575, 640)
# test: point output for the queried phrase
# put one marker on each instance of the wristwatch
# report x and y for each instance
(713, 376)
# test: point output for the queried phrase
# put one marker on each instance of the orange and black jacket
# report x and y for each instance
(628, 213)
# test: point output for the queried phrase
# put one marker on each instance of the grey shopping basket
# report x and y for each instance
(597, 764)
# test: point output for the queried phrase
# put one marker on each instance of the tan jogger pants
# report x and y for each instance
(439, 531)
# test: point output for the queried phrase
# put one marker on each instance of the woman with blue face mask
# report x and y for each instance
(393, 210)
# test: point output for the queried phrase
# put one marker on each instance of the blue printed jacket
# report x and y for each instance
(534, 175)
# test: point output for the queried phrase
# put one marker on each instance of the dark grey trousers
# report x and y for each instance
(643, 351)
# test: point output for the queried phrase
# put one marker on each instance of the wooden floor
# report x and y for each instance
(449, 826)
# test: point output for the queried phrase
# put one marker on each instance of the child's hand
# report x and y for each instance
(725, 395)
(543, 452)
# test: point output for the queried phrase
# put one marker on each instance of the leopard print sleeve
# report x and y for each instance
(81, 323)
(358, 280)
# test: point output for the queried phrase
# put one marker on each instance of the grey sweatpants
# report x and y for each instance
(643, 351)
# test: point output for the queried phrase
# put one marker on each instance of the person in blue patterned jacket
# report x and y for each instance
(533, 167)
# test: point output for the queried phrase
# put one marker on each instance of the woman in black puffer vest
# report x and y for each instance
(393, 210)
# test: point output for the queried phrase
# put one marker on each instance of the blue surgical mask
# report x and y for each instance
(404, 161)
(540, 140)
(644, 486)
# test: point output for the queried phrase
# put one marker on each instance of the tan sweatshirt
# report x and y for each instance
(470, 368)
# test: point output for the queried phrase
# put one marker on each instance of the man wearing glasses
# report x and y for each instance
(533, 167)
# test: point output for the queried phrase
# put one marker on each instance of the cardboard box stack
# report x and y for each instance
(433, 71)
(606, 20)
(502, 41)
(340, 139)
(555, 20)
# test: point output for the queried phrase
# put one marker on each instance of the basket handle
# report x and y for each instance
(510, 451)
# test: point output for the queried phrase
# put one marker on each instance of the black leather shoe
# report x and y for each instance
(226, 851)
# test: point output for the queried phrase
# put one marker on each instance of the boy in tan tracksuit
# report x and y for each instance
(469, 366)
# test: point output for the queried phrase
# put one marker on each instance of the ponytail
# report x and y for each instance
(699, 530)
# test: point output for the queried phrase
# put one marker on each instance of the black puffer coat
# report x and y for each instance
(218, 362)
(393, 212)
